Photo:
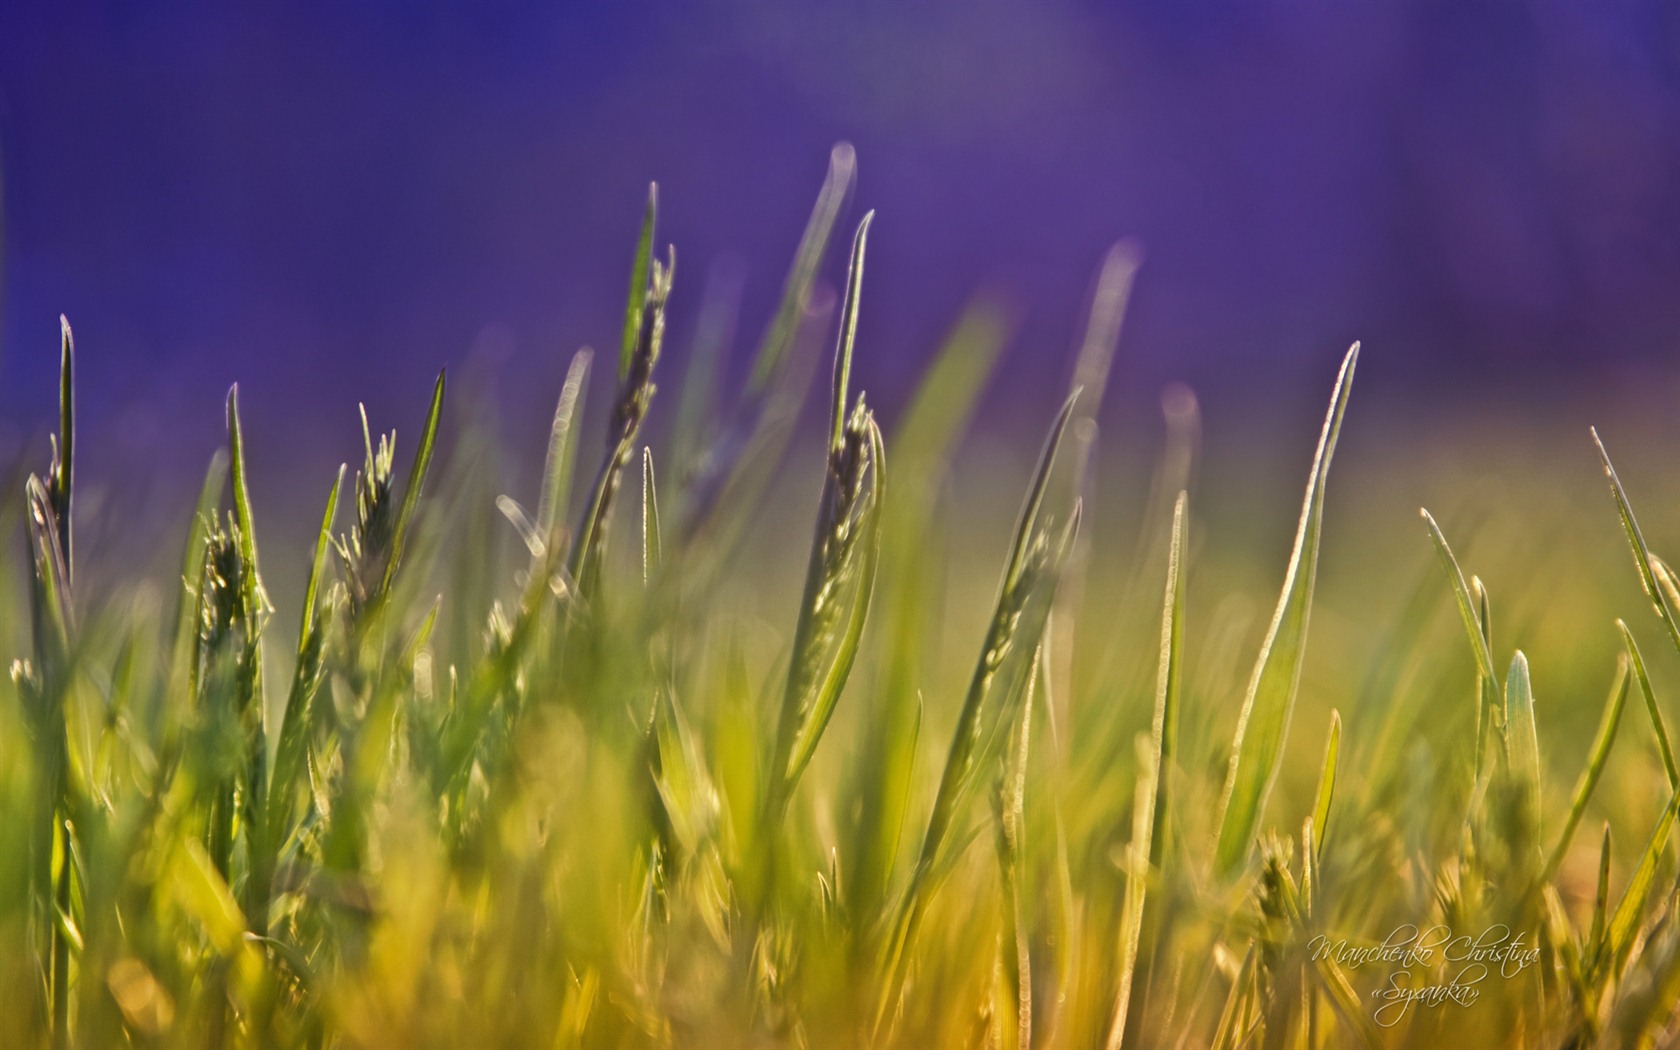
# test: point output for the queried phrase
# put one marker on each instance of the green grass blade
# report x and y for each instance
(848, 333)
(62, 487)
(560, 461)
(1026, 525)
(650, 518)
(638, 284)
(807, 260)
(416, 481)
(1601, 903)
(1326, 784)
(1625, 923)
(318, 561)
(1596, 759)
(1138, 874)
(1636, 540)
(845, 656)
(1461, 594)
(1524, 742)
(192, 561)
(290, 755)
(1264, 722)
(1102, 330)
(1644, 681)
(255, 599)
(1169, 680)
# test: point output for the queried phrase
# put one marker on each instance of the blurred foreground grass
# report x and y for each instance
(636, 758)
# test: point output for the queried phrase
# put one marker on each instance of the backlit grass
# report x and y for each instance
(962, 782)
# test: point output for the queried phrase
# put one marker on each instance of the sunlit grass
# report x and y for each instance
(957, 783)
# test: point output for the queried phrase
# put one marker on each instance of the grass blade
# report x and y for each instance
(255, 599)
(1461, 594)
(1326, 785)
(1625, 923)
(1264, 722)
(842, 563)
(61, 486)
(650, 518)
(1601, 903)
(562, 448)
(637, 299)
(807, 260)
(416, 481)
(1523, 745)
(1644, 680)
(1636, 540)
(1596, 759)
(994, 694)
(192, 560)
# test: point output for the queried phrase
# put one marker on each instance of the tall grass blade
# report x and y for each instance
(994, 694)
(562, 448)
(61, 485)
(1601, 904)
(636, 301)
(255, 598)
(1264, 722)
(1326, 785)
(635, 396)
(1461, 594)
(291, 753)
(1597, 758)
(807, 260)
(650, 519)
(416, 482)
(1640, 676)
(1636, 540)
(840, 575)
(1628, 916)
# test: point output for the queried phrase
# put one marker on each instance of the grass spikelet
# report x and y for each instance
(839, 577)
(642, 346)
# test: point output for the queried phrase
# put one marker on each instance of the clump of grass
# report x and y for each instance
(616, 803)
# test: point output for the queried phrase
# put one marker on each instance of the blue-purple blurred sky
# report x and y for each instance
(328, 201)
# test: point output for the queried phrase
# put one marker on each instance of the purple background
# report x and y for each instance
(327, 202)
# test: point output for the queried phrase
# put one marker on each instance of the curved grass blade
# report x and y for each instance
(848, 334)
(994, 694)
(1601, 904)
(1625, 923)
(255, 599)
(1138, 874)
(1264, 722)
(635, 395)
(1644, 680)
(562, 447)
(845, 656)
(1156, 752)
(650, 518)
(61, 485)
(290, 755)
(1596, 759)
(1326, 785)
(416, 480)
(637, 299)
(192, 561)
(1636, 540)
(1461, 594)
(807, 259)
(844, 553)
